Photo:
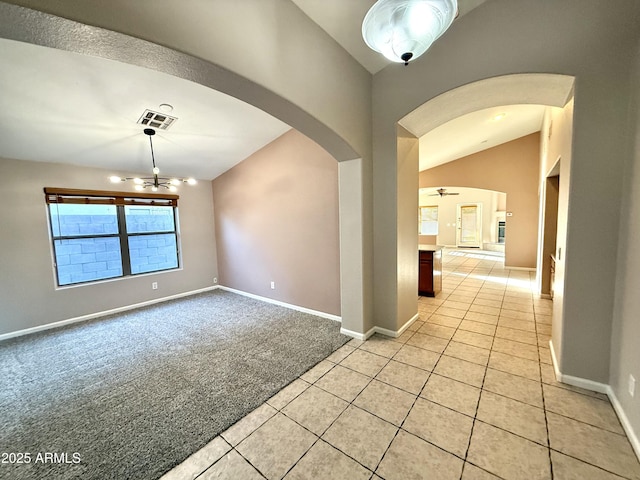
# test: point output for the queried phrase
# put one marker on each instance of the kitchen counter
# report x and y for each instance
(428, 248)
(429, 270)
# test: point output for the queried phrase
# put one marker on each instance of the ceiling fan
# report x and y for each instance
(442, 192)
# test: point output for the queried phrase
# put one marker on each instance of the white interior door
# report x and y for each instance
(469, 228)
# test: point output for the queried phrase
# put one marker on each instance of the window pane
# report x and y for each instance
(469, 224)
(429, 220)
(87, 259)
(151, 253)
(143, 218)
(70, 220)
(429, 228)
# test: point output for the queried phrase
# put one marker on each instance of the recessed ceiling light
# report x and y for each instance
(499, 117)
(165, 107)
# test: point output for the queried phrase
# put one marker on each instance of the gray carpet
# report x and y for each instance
(136, 393)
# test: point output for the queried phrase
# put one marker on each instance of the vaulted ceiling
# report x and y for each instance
(60, 106)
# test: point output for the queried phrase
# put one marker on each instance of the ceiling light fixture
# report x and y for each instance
(402, 30)
(155, 182)
(499, 117)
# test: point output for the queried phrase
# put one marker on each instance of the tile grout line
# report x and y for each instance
(482, 390)
(430, 373)
(515, 375)
(400, 427)
(350, 403)
(319, 437)
(475, 416)
(544, 405)
(435, 366)
(418, 396)
(279, 410)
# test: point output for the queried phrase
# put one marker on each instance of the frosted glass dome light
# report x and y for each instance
(402, 30)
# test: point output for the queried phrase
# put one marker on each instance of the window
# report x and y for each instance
(102, 235)
(428, 220)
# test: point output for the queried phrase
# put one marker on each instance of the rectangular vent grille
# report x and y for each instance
(157, 120)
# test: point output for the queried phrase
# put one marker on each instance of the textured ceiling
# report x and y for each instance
(342, 20)
(481, 129)
(65, 107)
(59, 106)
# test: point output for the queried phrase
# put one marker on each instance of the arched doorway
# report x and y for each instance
(543, 89)
(32, 26)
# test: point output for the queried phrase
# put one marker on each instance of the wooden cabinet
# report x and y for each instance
(429, 270)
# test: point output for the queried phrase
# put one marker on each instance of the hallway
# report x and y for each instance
(467, 392)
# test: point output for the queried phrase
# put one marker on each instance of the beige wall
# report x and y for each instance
(556, 159)
(407, 280)
(511, 168)
(327, 96)
(276, 217)
(298, 74)
(590, 40)
(625, 351)
(28, 294)
(428, 239)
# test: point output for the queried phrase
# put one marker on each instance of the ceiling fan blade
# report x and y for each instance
(452, 193)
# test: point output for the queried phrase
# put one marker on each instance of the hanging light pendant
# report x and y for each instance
(402, 30)
(156, 181)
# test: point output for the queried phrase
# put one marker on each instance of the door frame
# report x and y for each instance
(459, 207)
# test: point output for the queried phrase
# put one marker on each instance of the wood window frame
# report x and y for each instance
(120, 200)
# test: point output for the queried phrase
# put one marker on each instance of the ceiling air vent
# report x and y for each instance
(157, 120)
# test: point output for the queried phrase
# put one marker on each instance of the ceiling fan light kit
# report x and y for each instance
(402, 30)
(154, 182)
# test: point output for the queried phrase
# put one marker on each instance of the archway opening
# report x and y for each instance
(551, 140)
(24, 25)
(481, 168)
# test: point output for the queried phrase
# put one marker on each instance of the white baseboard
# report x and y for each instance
(575, 381)
(396, 334)
(601, 388)
(546, 296)
(380, 330)
(91, 316)
(386, 332)
(524, 269)
(406, 325)
(554, 361)
(317, 313)
(624, 420)
(357, 335)
(583, 383)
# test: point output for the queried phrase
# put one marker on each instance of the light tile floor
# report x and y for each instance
(467, 392)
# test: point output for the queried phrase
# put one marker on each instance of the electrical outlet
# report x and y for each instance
(215, 279)
(273, 285)
(154, 285)
(632, 385)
